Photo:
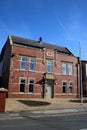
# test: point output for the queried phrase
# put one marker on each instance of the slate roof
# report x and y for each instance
(37, 44)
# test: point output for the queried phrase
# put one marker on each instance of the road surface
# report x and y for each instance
(63, 122)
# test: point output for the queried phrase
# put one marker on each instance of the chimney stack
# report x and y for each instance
(40, 40)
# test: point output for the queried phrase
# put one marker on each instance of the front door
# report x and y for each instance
(49, 89)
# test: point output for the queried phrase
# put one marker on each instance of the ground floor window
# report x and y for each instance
(71, 87)
(64, 86)
(31, 85)
(22, 85)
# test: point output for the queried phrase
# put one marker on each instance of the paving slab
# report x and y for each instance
(42, 104)
(41, 113)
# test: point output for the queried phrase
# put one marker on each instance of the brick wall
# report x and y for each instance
(41, 68)
(2, 101)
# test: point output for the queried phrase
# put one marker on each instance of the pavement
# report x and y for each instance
(20, 108)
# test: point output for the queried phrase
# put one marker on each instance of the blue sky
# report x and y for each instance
(60, 22)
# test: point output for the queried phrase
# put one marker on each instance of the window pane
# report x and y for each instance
(71, 87)
(64, 83)
(31, 86)
(22, 81)
(32, 64)
(23, 63)
(70, 69)
(22, 85)
(64, 87)
(63, 68)
(24, 59)
(49, 66)
(71, 84)
(31, 81)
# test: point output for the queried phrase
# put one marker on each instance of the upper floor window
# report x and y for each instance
(64, 68)
(23, 62)
(31, 85)
(49, 66)
(22, 85)
(70, 69)
(32, 64)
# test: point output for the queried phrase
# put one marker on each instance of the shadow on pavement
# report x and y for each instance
(34, 103)
(79, 101)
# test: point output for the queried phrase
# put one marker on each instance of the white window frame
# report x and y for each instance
(71, 87)
(31, 84)
(49, 66)
(34, 63)
(63, 87)
(23, 62)
(23, 84)
(64, 68)
(70, 69)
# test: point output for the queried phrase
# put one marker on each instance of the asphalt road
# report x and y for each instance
(64, 122)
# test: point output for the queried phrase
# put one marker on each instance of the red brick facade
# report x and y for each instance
(12, 72)
(2, 101)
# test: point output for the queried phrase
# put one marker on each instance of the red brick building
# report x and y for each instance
(36, 69)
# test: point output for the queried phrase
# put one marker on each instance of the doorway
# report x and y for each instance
(49, 89)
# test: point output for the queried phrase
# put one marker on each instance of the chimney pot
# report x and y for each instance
(40, 40)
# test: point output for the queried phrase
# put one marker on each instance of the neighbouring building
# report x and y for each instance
(84, 78)
(34, 69)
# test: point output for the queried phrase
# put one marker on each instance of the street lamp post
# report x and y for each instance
(81, 88)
